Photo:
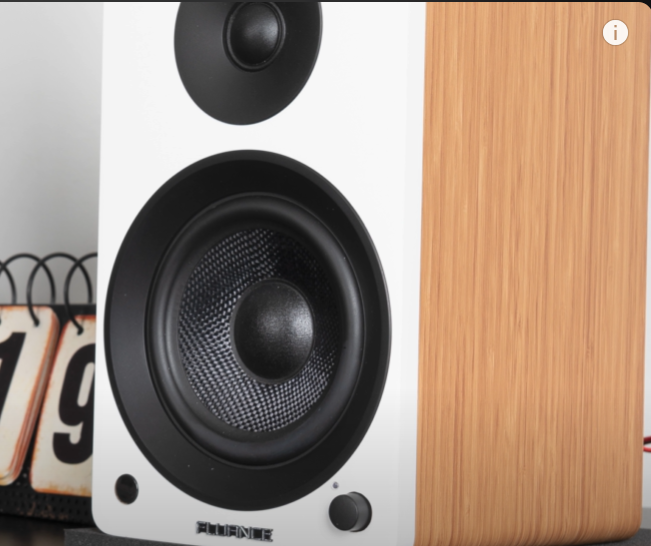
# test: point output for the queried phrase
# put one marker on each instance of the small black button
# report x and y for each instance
(126, 489)
(350, 512)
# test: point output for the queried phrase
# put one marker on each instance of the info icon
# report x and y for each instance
(615, 32)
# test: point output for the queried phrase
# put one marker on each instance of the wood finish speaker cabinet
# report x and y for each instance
(533, 274)
(372, 273)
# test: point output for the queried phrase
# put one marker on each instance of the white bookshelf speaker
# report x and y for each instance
(371, 273)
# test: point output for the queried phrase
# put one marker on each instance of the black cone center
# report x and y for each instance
(272, 331)
(254, 35)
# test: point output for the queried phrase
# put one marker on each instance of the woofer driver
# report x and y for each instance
(247, 330)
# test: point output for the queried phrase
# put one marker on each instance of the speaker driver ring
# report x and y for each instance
(212, 477)
(286, 424)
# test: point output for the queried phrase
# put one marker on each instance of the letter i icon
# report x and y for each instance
(615, 32)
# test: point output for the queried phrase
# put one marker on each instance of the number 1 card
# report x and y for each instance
(26, 352)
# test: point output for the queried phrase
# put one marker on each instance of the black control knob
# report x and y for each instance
(350, 512)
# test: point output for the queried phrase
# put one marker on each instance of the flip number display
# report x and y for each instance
(26, 352)
(62, 460)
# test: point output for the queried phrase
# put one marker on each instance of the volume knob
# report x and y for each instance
(351, 512)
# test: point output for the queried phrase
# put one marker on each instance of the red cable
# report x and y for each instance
(647, 440)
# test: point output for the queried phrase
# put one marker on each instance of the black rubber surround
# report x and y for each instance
(229, 90)
(186, 458)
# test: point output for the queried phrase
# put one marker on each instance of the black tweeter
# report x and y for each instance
(243, 62)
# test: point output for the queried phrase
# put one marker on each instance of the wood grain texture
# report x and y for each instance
(533, 274)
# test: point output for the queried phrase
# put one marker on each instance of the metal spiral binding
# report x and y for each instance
(66, 288)
(4, 269)
(41, 263)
